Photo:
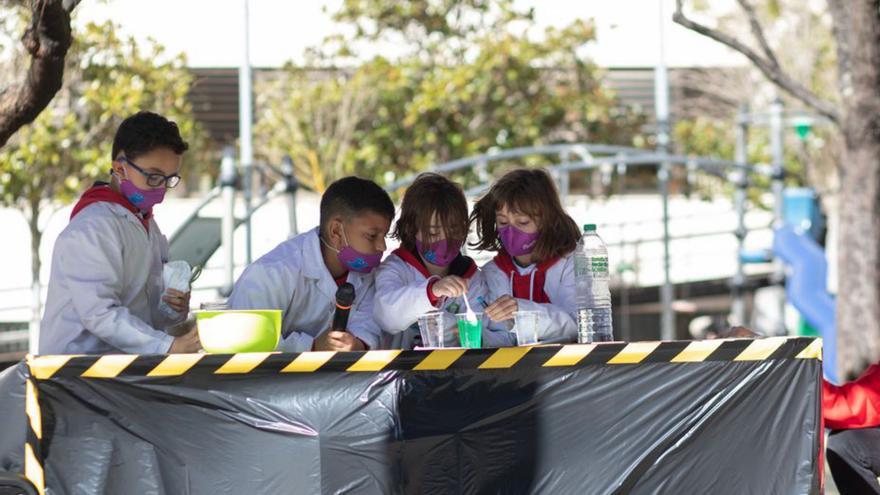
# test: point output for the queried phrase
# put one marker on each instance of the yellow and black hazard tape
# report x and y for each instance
(33, 455)
(575, 355)
(111, 366)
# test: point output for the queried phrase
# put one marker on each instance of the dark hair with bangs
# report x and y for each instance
(431, 194)
(530, 192)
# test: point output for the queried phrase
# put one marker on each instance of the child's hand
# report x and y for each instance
(502, 309)
(186, 343)
(338, 341)
(449, 286)
(179, 301)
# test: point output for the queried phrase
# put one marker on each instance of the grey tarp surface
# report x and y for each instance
(716, 427)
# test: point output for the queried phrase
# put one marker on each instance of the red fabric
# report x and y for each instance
(522, 283)
(853, 405)
(411, 259)
(434, 300)
(341, 280)
(104, 193)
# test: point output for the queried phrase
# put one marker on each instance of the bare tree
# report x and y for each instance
(856, 30)
(46, 42)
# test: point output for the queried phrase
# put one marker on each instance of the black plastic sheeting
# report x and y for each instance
(694, 428)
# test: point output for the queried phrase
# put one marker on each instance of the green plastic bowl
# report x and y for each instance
(233, 331)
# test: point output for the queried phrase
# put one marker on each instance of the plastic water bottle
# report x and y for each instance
(593, 295)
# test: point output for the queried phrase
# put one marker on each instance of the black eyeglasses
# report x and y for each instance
(154, 180)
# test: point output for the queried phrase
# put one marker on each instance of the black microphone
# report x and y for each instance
(344, 300)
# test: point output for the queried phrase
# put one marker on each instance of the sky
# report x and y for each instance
(210, 32)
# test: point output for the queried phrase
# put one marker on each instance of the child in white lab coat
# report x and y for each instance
(106, 276)
(428, 272)
(301, 275)
(522, 219)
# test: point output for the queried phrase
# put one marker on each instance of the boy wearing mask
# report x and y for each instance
(301, 275)
(106, 273)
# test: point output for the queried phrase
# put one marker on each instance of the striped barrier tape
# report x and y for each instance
(551, 356)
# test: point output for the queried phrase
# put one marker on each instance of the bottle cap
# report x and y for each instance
(590, 227)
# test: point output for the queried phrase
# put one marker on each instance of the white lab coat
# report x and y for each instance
(105, 285)
(293, 278)
(402, 296)
(558, 320)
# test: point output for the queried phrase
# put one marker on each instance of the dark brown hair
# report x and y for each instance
(530, 192)
(431, 194)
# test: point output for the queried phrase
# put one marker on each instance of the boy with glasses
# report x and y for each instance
(106, 274)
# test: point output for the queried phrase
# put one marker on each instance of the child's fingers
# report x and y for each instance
(175, 293)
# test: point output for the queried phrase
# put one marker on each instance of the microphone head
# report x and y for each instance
(345, 295)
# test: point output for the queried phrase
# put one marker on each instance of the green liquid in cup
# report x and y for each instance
(470, 334)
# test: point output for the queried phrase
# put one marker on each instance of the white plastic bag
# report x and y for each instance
(175, 275)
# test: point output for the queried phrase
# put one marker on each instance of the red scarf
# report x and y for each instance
(524, 287)
(102, 192)
(467, 270)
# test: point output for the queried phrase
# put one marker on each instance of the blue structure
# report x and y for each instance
(795, 243)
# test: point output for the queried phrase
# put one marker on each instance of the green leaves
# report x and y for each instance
(470, 80)
(108, 78)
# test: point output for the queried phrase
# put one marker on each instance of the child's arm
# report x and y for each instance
(397, 303)
(557, 320)
(271, 287)
(361, 323)
(90, 261)
(855, 404)
(495, 334)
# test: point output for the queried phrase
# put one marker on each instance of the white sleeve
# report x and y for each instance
(559, 319)
(266, 286)
(398, 304)
(361, 323)
(90, 261)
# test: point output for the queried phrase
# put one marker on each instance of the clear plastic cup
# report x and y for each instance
(526, 327)
(435, 330)
(470, 333)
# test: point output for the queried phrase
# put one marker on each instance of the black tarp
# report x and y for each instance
(717, 426)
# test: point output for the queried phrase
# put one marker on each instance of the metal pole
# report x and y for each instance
(738, 306)
(227, 183)
(245, 119)
(292, 185)
(777, 137)
(661, 107)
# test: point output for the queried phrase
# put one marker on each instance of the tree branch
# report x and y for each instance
(770, 68)
(758, 32)
(46, 41)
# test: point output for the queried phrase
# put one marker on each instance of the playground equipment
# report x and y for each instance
(200, 235)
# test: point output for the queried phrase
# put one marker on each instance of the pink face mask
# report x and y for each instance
(516, 242)
(353, 259)
(142, 199)
(439, 253)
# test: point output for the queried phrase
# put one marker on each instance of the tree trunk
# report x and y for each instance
(857, 32)
(858, 299)
(36, 287)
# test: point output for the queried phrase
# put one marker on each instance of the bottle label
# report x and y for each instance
(599, 264)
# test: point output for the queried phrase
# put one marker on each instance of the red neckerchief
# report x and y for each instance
(461, 266)
(341, 280)
(102, 192)
(521, 282)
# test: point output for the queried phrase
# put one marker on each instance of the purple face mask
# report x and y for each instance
(143, 199)
(354, 259)
(439, 253)
(516, 242)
